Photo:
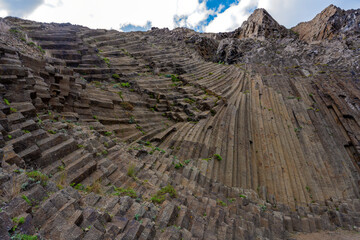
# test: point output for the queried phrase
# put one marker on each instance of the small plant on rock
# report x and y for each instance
(51, 131)
(221, 203)
(179, 165)
(120, 95)
(125, 192)
(6, 102)
(127, 106)
(218, 157)
(160, 196)
(38, 177)
(19, 236)
(125, 84)
(108, 133)
(95, 187)
(27, 200)
(131, 171)
(115, 76)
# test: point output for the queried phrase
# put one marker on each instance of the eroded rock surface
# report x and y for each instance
(175, 134)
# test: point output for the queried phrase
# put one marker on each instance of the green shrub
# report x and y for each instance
(174, 78)
(27, 200)
(78, 186)
(107, 61)
(218, 157)
(125, 191)
(19, 236)
(159, 197)
(108, 133)
(132, 120)
(14, 31)
(125, 84)
(131, 171)
(221, 203)
(115, 76)
(17, 222)
(179, 165)
(51, 131)
(20, 220)
(189, 100)
(6, 101)
(120, 95)
(38, 176)
(41, 49)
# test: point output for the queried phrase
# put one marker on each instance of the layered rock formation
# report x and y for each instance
(261, 25)
(331, 23)
(178, 135)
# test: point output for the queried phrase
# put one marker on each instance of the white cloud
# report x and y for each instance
(172, 13)
(232, 17)
(111, 13)
(287, 12)
(3, 13)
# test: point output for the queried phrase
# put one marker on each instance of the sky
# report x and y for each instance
(141, 15)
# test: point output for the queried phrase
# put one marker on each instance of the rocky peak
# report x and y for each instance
(261, 25)
(324, 26)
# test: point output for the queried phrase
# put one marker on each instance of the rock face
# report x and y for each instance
(261, 25)
(329, 24)
(177, 134)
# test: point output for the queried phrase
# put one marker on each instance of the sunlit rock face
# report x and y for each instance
(174, 134)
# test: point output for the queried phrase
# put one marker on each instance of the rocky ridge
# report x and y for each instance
(178, 135)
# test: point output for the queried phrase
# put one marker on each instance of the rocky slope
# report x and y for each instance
(166, 134)
(331, 23)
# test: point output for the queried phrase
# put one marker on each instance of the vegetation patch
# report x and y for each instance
(20, 236)
(38, 177)
(131, 171)
(221, 203)
(115, 76)
(125, 192)
(127, 106)
(218, 157)
(125, 84)
(160, 196)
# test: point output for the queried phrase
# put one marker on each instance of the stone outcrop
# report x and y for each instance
(331, 23)
(176, 134)
(261, 25)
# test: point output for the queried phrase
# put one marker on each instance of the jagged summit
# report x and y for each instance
(323, 26)
(328, 24)
(261, 25)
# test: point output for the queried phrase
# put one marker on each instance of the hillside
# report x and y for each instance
(174, 134)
